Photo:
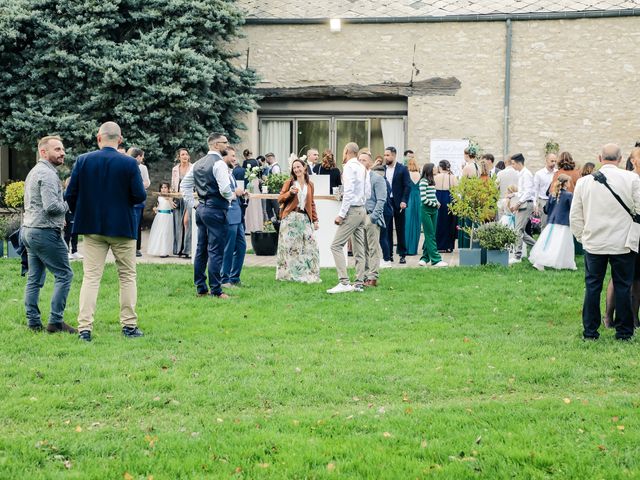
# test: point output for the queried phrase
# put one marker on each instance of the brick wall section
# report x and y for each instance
(575, 81)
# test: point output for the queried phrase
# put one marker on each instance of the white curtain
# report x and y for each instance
(393, 135)
(275, 137)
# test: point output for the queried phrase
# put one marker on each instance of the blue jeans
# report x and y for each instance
(234, 252)
(212, 236)
(46, 251)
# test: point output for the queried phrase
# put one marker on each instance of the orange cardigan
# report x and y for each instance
(289, 203)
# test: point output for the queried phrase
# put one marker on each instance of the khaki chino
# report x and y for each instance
(353, 224)
(96, 248)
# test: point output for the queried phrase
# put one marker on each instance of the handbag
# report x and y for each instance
(632, 241)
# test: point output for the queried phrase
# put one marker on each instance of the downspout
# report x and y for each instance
(507, 89)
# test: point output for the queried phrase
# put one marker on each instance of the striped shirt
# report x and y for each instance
(428, 194)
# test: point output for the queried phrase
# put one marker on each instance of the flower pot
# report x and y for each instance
(498, 257)
(264, 243)
(472, 256)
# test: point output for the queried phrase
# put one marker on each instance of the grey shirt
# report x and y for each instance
(44, 206)
(375, 203)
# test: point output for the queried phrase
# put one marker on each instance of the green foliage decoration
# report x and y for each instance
(14, 195)
(551, 147)
(495, 236)
(275, 181)
(165, 70)
(475, 199)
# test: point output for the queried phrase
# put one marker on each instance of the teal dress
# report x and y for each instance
(412, 220)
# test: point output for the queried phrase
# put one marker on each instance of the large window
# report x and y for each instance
(288, 134)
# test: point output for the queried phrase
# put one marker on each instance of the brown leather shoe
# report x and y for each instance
(371, 283)
(60, 327)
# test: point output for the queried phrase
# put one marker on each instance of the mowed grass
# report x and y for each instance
(451, 373)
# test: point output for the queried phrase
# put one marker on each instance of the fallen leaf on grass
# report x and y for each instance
(615, 419)
(478, 440)
(263, 465)
(331, 466)
(567, 401)
(602, 448)
(78, 428)
(238, 470)
(219, 420)
(67, 464)
(387, 435)
(127, 476)
(408, 410)
(423, 444)
(620, 427)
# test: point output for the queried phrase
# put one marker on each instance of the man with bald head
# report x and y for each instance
(104, 187)
(605, 227)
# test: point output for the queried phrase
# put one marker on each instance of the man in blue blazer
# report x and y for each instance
(104, 187)
(398, 177)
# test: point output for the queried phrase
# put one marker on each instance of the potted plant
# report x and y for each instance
(265, 241)
(496, 238)
(474, 200)
(275, 181)
(13, 200)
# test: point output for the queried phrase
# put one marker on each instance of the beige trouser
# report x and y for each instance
(353, 224)
(372, 249)
(543, 216)
(95, 253)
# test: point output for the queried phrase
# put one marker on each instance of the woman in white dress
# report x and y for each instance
(161, 236)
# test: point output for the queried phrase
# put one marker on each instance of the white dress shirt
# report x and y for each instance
(389, 175)
(597, 220)
(526, 191)
(221, 174)
(355, 186)
(302, 194)
(541, 181)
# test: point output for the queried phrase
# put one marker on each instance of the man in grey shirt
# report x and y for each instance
(42, 235)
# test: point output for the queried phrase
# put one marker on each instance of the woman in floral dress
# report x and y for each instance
(298, 257)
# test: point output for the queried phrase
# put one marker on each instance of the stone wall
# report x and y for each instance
(575, 81)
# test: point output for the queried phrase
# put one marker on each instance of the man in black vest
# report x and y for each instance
(210, 179)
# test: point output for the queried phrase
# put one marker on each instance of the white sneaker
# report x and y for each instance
(513, 260)
(341, 288)
(441, 263)
(538, 267)
(422, 263)
(79, 256)
(386, 264)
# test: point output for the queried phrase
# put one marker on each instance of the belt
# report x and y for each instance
(164, 211)
(300, 210)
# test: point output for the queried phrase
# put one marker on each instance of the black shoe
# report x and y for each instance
(138, 253)
(85, 335)
(132, 332)
(403, 260)
(60, 327)
(36, 328)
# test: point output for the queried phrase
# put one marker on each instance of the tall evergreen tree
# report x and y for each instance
(163, 69)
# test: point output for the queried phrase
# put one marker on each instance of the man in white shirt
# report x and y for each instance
(605, 229)
(524, 206)
(541, 181)
(210, 179)
(312, 159)
(351, 221)
(504, 179)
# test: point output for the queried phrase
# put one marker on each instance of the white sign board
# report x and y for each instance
(451, 150)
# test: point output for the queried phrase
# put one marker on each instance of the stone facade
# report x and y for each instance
(575, 81)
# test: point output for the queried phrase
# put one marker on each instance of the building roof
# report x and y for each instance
(316, 9)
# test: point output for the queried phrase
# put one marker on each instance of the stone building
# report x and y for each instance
(509, 74)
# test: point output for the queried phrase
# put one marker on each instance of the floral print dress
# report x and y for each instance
(298, 258)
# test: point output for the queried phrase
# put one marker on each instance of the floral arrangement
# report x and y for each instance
(252, 173)
(268, 226)
(14, 195)
(474, 148)
(495, 236)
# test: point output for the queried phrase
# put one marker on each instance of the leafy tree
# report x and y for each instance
(163, 69)
(476, 200)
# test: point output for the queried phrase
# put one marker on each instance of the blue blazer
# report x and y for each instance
(104, 187)
(400, 186)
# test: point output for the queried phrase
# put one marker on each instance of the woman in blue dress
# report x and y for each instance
(412, 214)
(447, 222)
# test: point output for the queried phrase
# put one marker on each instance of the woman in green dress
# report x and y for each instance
(412, 214)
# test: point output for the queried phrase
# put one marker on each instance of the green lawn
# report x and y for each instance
(451, 373)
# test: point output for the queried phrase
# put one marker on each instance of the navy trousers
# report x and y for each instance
(212, 234)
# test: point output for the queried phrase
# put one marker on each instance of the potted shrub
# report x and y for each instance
(275, 181)
(474, 200)
(496, 238)
(265, 242)
(13, 200)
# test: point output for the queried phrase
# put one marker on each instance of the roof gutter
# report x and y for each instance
(501, 17)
